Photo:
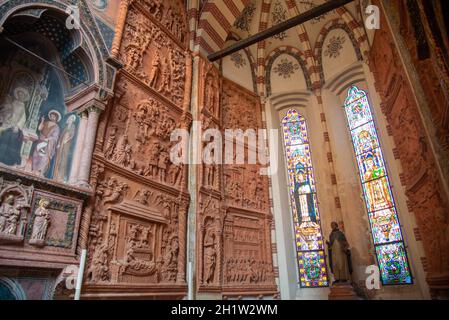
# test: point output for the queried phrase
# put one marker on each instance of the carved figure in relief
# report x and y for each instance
(165, 203)
(133, 56)
(135, 244)
(99, 269)
(162, 165)
(153, 160)
(142, 196)
(110, 143)
(211, 93)
(122, 153)
(170, 260)
(9, 215)
(165, 85)
(156, 8)
(175, 174)
(155, 69)
(41, 223)
(248, 271)
(210, 254)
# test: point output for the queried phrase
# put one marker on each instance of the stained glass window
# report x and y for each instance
(306, 217)
(382, 212)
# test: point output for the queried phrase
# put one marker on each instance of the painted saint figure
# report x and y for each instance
(45, 146)
(339, 255)
(12, 122)
(303, 191)
(63, 150)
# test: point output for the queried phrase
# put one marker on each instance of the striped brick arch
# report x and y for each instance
(215, 22)
(328, 27)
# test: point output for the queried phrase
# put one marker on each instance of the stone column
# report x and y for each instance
(182, 224)
(78, 148)
(88, 145)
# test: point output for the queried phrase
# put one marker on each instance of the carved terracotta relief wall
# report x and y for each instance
(209, 243)
(425, 42)
(424, 189)
(248, 265)
(137, 231)
(234, 256)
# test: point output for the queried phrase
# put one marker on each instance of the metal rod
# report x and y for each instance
(79, 279)
(283, 26)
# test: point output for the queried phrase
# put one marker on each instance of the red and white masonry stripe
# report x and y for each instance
(216, 20)
(261, 46)
(356, 29)
(305, 44)
(260, 81)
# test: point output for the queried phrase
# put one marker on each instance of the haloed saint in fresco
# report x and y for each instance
(12, 122)
(37, 134)
(45, 147)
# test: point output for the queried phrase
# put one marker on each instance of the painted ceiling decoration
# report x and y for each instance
(244, 21)
(238, 59)
(334, 46)
(279, 15)
(286, 68)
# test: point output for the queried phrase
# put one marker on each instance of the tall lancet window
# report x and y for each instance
(380, 204)
(306, 217)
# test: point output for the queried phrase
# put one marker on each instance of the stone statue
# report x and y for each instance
(210, 256)
(339, 255)
(9, 216)
(41, 223)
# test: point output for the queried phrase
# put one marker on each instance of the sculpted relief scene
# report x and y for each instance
(311, 165)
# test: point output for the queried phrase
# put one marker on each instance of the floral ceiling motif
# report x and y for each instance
(238, 59)
(244, 21)
(335, 46)
(286, 68)
(278, 15)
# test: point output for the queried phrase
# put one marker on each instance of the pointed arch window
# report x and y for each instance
(303, 199)
(382, 212)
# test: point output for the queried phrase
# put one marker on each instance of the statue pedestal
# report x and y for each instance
(342, 291)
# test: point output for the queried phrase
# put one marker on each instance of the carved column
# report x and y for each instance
(79, 148)
(182, 225)
(201, 253)
(121, 20)
(89, 144)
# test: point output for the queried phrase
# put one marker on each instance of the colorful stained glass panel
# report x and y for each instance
(384, 221)
(357, 108)
(378, 194)
(299, 155)
(393, 264)
(385, 226)
(371, 165)
(312, 269)
(308, 236)
(365, 138)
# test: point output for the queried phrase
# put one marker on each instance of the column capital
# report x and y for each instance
(93, 106)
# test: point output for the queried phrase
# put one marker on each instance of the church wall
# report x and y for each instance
(137, 229)
(233, 223)
(411, 131)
